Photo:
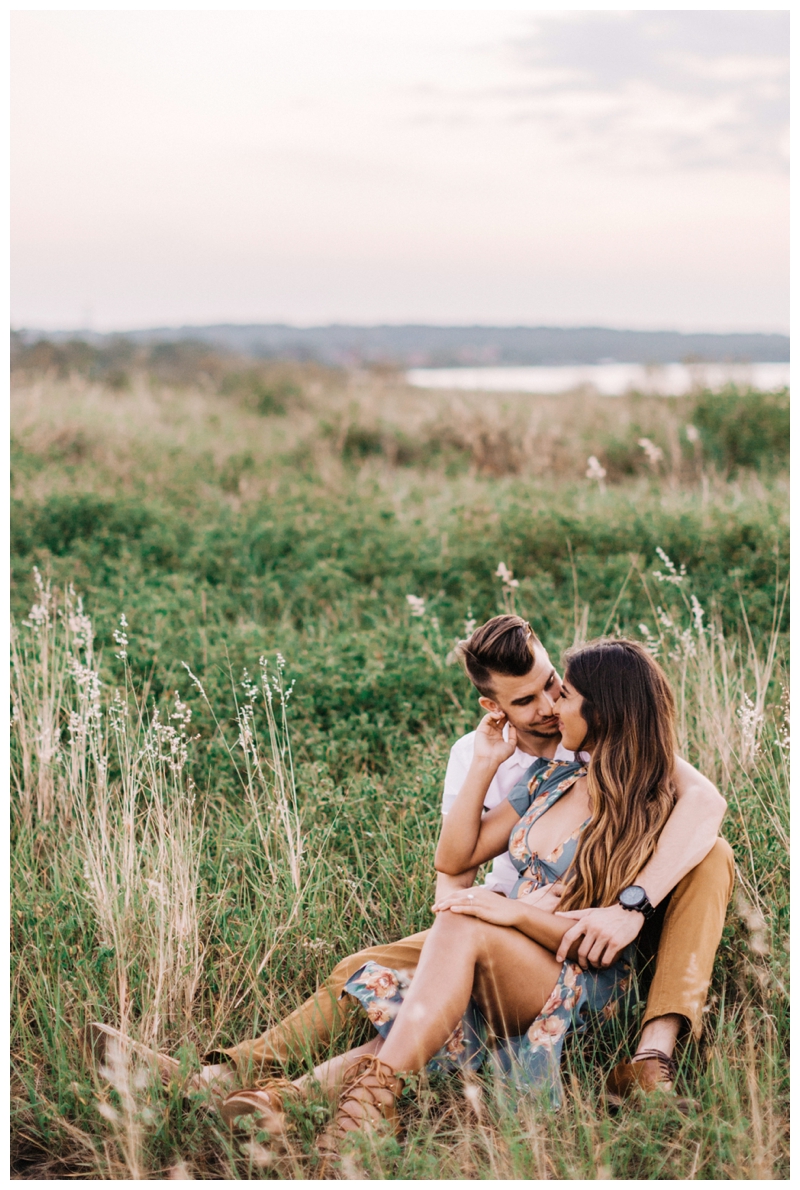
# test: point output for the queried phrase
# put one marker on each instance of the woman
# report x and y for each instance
(488, 967)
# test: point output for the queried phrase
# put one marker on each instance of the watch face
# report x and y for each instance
(633, 895)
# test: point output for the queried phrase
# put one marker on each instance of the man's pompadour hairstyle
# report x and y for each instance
(503, 645)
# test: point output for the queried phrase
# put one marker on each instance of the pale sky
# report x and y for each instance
(622, 169)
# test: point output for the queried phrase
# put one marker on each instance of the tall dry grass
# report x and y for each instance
(370, 420)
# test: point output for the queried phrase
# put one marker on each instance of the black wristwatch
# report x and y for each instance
(635, 898)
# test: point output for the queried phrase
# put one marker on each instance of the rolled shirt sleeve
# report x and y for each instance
(457, 769)
(503, 874)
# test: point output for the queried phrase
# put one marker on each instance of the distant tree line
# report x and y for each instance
(435, 346)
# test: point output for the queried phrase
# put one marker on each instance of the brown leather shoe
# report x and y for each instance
(648, 1071)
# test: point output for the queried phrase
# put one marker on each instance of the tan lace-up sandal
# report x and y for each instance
(95, 1040)
(264, 1105)
(367, 1101)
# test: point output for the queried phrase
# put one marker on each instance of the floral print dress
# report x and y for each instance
(533, 1059)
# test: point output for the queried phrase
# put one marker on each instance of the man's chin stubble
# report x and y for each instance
(543, 735)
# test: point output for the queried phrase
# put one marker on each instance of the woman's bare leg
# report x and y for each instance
(330, 1074)
(510, 975)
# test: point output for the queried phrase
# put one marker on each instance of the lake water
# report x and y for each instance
(611, 380)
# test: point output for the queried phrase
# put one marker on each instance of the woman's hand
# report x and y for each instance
(482, 903)
(490, 747)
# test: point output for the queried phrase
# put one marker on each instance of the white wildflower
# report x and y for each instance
(80, 625)
(182, 713)
(121, 638)
(76, 726)
(246, 740)
(40, 612)
(692, 433)
(697, 615)
(664, 620)
(506, 575)
(684, 645)
(417, 606)
(195, 680)
(316, 944)
(37, 616)
(595, 470)
(755, 924)
(651, 642)
(117, 714)
(750, 720)
(654, 453)
(673, 575)
(88, 683)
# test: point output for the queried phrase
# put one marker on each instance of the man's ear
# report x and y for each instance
(490, 705)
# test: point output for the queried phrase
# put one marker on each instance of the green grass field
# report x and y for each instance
(183, 874)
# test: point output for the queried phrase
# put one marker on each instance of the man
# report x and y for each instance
(684, 888)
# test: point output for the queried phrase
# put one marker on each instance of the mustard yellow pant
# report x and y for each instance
(684, 935)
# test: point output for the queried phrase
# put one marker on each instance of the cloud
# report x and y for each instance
(644, 90)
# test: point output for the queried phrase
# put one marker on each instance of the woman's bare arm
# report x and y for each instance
(468, 838)
(541, 925)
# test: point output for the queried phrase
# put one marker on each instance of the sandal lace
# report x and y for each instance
(371, 1105)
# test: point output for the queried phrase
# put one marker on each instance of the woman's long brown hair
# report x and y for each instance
(630, 711)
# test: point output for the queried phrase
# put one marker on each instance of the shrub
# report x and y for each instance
(235, 467)
(744, 429)
(263, 392)
(361, 441)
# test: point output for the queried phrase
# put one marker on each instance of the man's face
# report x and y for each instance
(528, 702)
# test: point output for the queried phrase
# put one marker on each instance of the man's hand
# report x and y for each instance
(605, 933)
(481, 903)
(490, 747)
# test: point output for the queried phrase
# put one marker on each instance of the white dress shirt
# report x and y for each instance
(503, 874)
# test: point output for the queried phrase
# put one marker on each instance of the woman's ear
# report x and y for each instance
(590, 718)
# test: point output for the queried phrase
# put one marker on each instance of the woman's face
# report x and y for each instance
(571, 723)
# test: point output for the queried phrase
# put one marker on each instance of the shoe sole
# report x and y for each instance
(267, 1119)
(616, 1102)
(96, 1037)
(94, 1041)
